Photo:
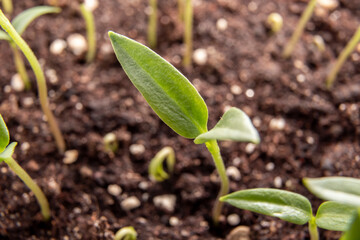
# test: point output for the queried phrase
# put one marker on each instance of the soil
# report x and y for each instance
(320, 136)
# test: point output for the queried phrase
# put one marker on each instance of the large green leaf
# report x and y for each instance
(340, 189)
(288, 206)
(334, 216)
(354, 229)
(234, 125)
(4, 135)
(8, 152)
(173, 98)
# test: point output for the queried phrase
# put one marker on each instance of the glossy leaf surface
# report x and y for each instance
(234, 125)
(285, 205)
(173, 98)
(354, 230)
(4, 135)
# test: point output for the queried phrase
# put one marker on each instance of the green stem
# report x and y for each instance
(213, 148)
(90, 32)
(152, 28)
(342, 58)
(299, 28)
(8, 6)
(41, 83)
(181, 9)
(188, 20)
(20, 66)
(313, 230)
(40, 196)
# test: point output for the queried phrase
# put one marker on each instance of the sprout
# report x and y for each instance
(110, 143)
(274, 22)
(86, 10)
(126, 233)
(319, 43)
(188, 22)
(152, 28)
(156, 169)
(7, 6)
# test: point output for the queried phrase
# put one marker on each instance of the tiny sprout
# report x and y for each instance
(87, 9)
(126, 233)
(110, 143)
(6, 152)
(319, 43)
(152, 28)
(188, 22)
(8, 6)
(156, 168)
(274, 22)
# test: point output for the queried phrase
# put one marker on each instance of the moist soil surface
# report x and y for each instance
(306, 130)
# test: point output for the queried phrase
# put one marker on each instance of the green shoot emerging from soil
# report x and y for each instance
(188, 22)
(152, 28)
(7, 6)
(126, 233)
(87, 13)
(294, 208)
(156, 167)
(39, 74)
(176, 101)
(6, 152)
(110, 143)
(274, 22)
(299, 28)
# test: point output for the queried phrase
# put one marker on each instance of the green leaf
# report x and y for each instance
(21, 21)
(234, 125)
(288, 206)
(334, 216)
(340, 189)
(8, 152)
(354, 230)
(4, 135)
(173, 98)
(4, 36)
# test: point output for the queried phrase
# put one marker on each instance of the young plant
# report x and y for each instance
(14, 35)
(152, 28)
(176, 101)
(87, 13)
(126, 233)
(299, 28)
(294, 208)
(110, 143)
(274, 22)
(342, 58)
(6, 152)
(156, 167)
(188, 22)
(7, 6)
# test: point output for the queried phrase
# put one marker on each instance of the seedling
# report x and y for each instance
(110, 143)
(342, 58)
(14, 35)
(294, 208)
(319, 43)
(176, 101)
(126, 233)
(299, 28)
(152, 28)
(87, 13)
(7, 6)
(188, 22)
(6, 152)
(156, 167)
(274, 22)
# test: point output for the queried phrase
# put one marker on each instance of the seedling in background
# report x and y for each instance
(6, 152)
(110, 143)
(319, 43)
(176, 101)
(156, 167)
(299, 28)
(20, 23)
(126, 233)
(274, 22)
(188, 22)
(294, 208)
(7, 6)
(14, 35)
(87, 9)
(342, 58)
(152, 28)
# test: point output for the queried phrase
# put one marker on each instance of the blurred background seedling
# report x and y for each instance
(126, 233)
(87, 9)
(110, 143)
(274, 22)
(7, 6)
(156, 166)
(152, 27)
(188, 32)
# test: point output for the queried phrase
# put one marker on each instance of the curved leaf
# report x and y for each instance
(21, 21)
(354, 231)
(8, 152)
(234, 125)
(173, 98)
(4, 135)
(340, 189)
(334, 216)
(288, 206)
(4, 36)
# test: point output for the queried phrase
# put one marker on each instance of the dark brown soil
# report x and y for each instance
(320, 137)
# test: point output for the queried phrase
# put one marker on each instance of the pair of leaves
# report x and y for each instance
(291, 207)
(174, 99)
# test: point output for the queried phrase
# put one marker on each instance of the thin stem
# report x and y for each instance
(90, 32)
(20, 66)
(188, 20)
(299, 28)
(152, 28)
(214, 149)
(8, 6)
(181, 9)
(41, 83)
(40, 196)
(342, 58)
(313, 230)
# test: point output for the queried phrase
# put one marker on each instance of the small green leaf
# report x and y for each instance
(288, 206)
(340, 189)
(8, 152)
(4, 135)
(334, 216)
(22, 20)
(354, 230)
(234, 125)
(4, 36)
(173, 98)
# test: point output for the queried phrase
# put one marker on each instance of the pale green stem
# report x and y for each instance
(8, 6)
(152, 28)
(90, 32)
(214, 149)
(40, 196)
(20, 66)
(342, 58)
(41, 83)
(313, 230)
(188, 20)
(299, 28)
